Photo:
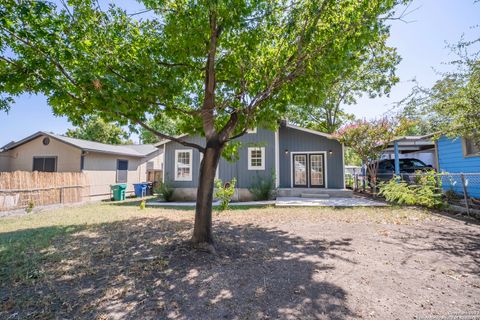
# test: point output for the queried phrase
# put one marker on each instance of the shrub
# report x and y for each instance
(224, 192)
(425, 192)
(397, 191)
(30, 206)
(263, 188)
(165, 191)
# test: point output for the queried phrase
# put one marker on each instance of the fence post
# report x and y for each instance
(465, 193)
(62, 194)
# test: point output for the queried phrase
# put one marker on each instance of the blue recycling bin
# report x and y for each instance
(140, 189)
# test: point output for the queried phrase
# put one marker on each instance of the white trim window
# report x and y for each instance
(253, 130)
(256, 158)
(183, 165)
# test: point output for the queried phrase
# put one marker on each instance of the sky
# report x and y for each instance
(421, 42)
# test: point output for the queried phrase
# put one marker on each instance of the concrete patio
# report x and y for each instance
(289, 202)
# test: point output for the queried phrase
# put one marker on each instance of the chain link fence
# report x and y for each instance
(459, 189)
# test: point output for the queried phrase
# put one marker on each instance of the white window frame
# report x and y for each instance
(262, 150)
(188, 178)
(253, 130)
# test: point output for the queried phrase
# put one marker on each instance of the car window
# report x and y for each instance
(411, 163)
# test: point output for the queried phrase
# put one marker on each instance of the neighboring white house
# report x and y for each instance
(103, 164)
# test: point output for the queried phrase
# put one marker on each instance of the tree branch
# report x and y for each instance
(165, 136)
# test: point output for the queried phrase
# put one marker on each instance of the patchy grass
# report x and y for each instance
(107, 261)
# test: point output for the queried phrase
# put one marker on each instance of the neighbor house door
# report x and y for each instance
(309, 170)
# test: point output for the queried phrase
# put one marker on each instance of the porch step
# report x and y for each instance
(315, 195)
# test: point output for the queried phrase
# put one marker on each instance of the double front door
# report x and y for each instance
(309, 170)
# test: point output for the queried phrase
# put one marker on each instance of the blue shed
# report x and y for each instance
(459, 155)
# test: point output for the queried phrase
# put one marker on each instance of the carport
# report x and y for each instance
(411, 145)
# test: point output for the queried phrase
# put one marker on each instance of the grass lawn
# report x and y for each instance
(108, 261)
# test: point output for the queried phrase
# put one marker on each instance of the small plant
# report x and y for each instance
(224, 192)
(263, 188)
(165, 191)
(142, 205)
(30, 206)
(398, 191)
(425, 192)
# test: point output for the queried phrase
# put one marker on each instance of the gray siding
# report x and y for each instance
(295, 140)
(239, 169)
(227, 170)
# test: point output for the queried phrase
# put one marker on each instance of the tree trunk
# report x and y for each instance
(202, 232)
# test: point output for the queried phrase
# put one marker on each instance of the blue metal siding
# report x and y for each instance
(295, 140)
(452, 160)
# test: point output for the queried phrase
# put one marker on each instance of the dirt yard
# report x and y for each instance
(120, 262)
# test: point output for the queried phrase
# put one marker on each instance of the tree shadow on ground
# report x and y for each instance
(144, 268)
(449, 242)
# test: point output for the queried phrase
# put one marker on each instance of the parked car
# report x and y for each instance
(408, 166)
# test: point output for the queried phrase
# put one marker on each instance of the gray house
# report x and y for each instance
(303, 162)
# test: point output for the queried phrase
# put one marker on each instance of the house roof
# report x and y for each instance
(318, 133)
(412, 144)
(133, 150)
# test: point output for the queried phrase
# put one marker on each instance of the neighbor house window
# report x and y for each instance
(45, 164)
(183, 165)
(256, 158)
(471, 148)
(82, 162)
(122, 171)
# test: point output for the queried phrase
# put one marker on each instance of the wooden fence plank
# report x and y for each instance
(19, 189)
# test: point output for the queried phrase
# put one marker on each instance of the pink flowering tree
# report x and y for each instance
(369, 139)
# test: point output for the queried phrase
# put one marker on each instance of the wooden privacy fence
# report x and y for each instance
(21, 189)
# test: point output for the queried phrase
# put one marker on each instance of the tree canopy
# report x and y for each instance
(88, 61)
(452, 105)
(369, 73)
(217, 67)
(164, 124)
(96, 129)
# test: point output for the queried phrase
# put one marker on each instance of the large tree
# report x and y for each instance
(452, 105)
(164, 124)
(96, 129)
(370, 72)
(219, 67)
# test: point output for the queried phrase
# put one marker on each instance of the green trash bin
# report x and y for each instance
(118, 191)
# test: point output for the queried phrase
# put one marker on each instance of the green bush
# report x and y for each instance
(30, 206)
(224, 192)
(425, 192)
(164, 191)
(397, 191)
(263, 188)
